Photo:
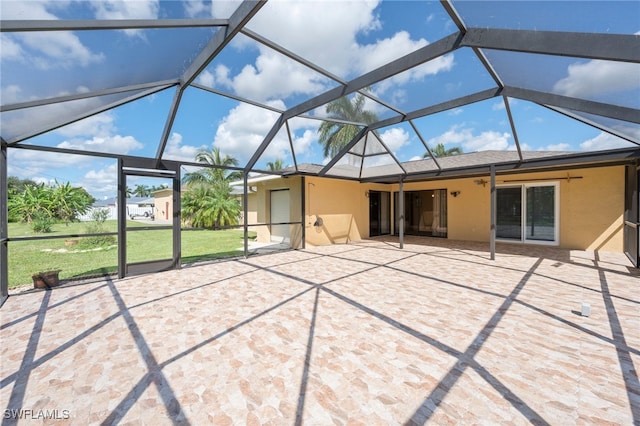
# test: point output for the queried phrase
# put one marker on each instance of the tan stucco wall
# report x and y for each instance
(343, 207)
(591, 208)
(263, 208)
(163, 209)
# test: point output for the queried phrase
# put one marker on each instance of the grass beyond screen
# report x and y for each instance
(77, 260)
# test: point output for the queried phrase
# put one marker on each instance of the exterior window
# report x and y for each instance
(425, 213)
(527, 213)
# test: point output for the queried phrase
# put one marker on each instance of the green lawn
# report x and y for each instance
(29, 257)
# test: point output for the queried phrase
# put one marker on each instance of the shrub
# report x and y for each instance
(99, 216)
(97, 241)
(42, 223)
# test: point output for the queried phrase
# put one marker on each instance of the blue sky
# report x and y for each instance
(362, 36)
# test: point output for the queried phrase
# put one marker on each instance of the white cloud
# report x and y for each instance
(206, 79)
(105, 175)
(383, 51)
(395, 138)
(96, 125)
(440, 64)
(194, 8)
(30, 164)
(10, 94)
(557, 147)
(28, 10)
(331, 46)
(498, 106)
(23, 122)
(604, 141)
(102, 182)
(217, 9)
(115, 144)
(264, 81)
(302, 144)
(490, 140)
(597, 77)
(242, 130)
(456, 111)
(47, 49)
(175, 150)
(44, 180)
(224, 9)
(10, 50)
(458, 135)
(120, 9)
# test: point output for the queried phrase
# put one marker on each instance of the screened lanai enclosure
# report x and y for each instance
(134, 105)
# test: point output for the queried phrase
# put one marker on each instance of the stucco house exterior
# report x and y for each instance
(572, 202)
(163, 205)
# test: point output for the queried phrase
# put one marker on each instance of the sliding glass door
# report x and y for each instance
(527, 213)
(425, 213)
(379, 213)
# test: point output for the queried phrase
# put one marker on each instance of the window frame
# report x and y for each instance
(523, 213)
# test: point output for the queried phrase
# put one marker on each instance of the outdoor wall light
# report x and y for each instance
(455, 193)
(318, 221)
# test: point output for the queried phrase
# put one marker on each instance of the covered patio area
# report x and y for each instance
(362, 333)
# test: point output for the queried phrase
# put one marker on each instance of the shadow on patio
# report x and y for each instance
(362, 333)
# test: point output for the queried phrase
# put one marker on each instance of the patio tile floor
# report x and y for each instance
(363, 333)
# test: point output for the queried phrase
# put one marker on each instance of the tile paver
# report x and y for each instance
(362, 333)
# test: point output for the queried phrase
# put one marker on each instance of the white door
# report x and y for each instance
(280, 213)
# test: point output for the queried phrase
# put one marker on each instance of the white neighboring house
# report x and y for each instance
(137, 208)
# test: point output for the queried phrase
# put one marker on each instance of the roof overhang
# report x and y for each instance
(561, 162)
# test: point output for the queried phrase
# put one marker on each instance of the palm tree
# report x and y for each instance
(440, 151)
(205, 206)
(212, 175)
(141, 191)
(275, 165)
(207, 201)
(334, 136)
